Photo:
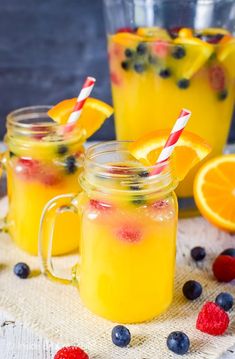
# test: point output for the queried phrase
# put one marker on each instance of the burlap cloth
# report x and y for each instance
(56, 312)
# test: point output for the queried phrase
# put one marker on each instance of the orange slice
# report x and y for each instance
(93, 115)
(214, 191)
(189, 151)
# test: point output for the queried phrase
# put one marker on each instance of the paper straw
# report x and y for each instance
(82, 97)
(172, 140)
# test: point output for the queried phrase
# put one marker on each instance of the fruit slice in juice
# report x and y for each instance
(189, 151)
(93, 115)
(214, 191)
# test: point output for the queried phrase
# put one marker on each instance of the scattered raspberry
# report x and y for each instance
(129, 233)
(71, 353)
(212, 319)
(217, 78)
(224, 268)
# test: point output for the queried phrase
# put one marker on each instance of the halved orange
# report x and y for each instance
(189, 151)
(93, 115)
(214, 191)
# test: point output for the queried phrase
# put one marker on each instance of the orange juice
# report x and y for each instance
(155, 73)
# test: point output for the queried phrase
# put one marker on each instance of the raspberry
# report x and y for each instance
(129, 233)
(100, 206)
(224, 268)
(71, 353)
(212, 319)
(125, 29)
(217, 78)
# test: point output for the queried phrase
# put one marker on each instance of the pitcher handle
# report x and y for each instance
(57, 205)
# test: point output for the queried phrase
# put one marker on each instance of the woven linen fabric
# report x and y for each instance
(56, 312)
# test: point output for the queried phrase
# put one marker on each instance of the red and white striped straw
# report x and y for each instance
(172, 140)
(82, 97)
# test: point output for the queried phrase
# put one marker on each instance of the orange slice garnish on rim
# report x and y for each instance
(190, 149)
(93, 115)
(214, 191)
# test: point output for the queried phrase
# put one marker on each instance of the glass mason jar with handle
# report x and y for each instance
(128, 235)
(40, 163)
(165, 55)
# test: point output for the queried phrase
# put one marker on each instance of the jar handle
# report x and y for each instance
(57, 205)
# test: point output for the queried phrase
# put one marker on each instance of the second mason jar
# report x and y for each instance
(128, 235)
(40, 163)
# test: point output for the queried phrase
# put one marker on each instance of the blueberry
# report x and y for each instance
(165, 73)
(198, 253)
(183, 84)
(22, 270)
(225, 301)
(139, 67)
(129, 53)
(121, 336)
(178, 343)
(178, 52)
(138, 200)
(228, 252)
(143, 174)
(141, 49)
(11, 154)
(192, 290)
(62, 150)
(134, 187)
(125, 65)
(222, 95)
(70, 164)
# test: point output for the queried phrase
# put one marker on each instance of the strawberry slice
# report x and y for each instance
(161, 48)
(27, 168)
(100, 206)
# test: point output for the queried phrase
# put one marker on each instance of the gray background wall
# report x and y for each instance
(47, 47)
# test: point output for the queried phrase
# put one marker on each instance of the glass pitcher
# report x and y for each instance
(165, 55)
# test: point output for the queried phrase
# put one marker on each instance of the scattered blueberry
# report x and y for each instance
(70, 164)
(139, 67)
(228, 252)
(22, 270)
(222, 95)
(198, 253)
(11, 154)
(192, 289)
(178, 52)
(225, 301)
(62, 150)
(141, 49)
(183, 84)
(178, 343)
(129, 53)
(121, 336)
(143, 174)
(165, 73)
(125, 65)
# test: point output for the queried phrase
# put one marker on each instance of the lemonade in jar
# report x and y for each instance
(42, 161)
(160, 62)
